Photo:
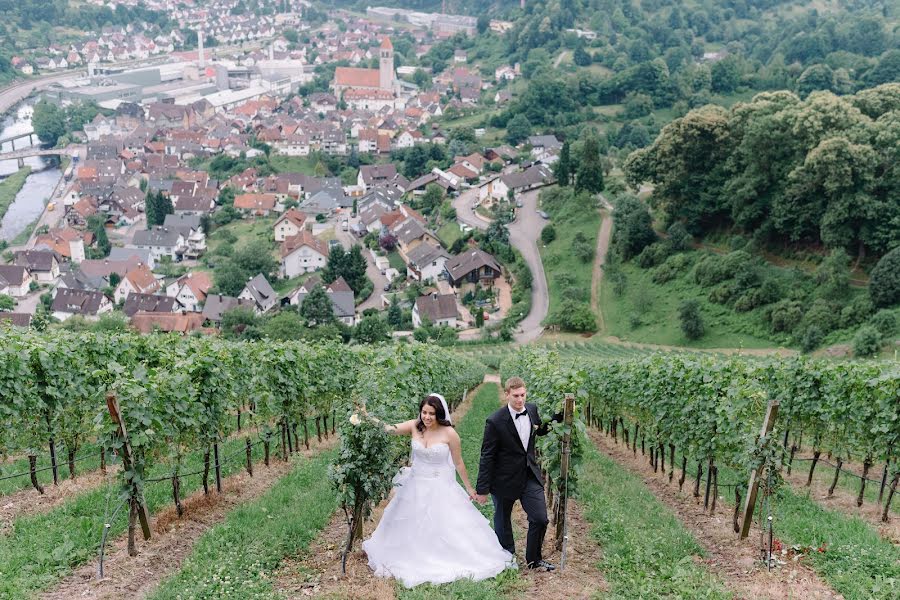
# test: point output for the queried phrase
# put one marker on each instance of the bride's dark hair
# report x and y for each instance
(439, 414)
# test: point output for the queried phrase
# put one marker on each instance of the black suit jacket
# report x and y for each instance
(505, 464)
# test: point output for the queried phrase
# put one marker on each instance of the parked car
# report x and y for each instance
(387, 287)
(543, 214)
(333, 244)
(345, 225)
(519, 204)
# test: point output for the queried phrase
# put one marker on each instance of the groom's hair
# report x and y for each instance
(513, 383)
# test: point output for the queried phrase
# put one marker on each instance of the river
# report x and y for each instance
(29, 202)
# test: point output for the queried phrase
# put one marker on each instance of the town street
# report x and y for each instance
(347, 240)
(523, 235)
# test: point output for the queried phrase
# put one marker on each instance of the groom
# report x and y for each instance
(508, 472)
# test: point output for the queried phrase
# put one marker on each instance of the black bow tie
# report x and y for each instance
(521, 414)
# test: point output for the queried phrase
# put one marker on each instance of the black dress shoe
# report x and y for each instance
(542, 565)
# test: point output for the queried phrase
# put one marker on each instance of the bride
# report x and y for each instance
(430, 531)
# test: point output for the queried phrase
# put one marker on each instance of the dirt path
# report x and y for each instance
(28, 501)
(733, 560)
(173, 537)
(581, 578)
(317, 572)
(603, 239)
(843, 500)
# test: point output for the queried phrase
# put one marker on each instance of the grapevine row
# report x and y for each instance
(708, 410)
(182, 395)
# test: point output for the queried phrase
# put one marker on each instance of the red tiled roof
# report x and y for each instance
(355, 77)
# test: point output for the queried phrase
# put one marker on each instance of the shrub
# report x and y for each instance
(576, 316)
(722, 293)
(548, 234)
(812, 337)
(785, 315)
(833, 275)
(884, 284)
(679, 237)
(634, 321)
(867, 341)
(885, 322)
(821, 314)
(576, 293)
(691, 319)
(582, 248)
(634, 229)
(653, 255)
(671, 268)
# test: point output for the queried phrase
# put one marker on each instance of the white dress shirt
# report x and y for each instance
(523, 425)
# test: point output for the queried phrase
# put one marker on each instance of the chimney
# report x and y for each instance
(201, 61)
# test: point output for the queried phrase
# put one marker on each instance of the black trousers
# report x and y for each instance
(535, 506)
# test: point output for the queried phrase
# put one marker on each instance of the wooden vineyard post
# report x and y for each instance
(143, 516)
(753, 485)
(561, 532)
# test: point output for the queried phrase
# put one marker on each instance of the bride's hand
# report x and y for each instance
(354, 419)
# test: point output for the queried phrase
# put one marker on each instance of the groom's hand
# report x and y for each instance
(480, 498)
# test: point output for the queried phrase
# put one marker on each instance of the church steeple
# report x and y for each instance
(386, 65)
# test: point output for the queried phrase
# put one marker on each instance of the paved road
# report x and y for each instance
(348, 240)
(523, 235)
(15, 93)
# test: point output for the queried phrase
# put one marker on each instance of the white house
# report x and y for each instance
(426, 262)
(88, 304)
(302, 253)
(190, 289)
(289, 224)
(261, 293)
(138, 280)
(439, 309)
(161, 241)
(17, 280)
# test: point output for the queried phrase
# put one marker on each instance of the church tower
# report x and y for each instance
(386, 65)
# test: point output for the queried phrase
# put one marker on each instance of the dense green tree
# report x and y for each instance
(518, 129)
(726, 75)
(581, 57)
(48, 121)
(7, 303)
(884, 283)
(589, 172)
(317, 308)
(815, 77)
(395, 314)
(691, 320)
(286, 325)
(563, 169)
(240, 322)
(371, 330)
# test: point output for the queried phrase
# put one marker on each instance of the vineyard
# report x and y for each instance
(170, 420)
(697, 418)
(169, 409)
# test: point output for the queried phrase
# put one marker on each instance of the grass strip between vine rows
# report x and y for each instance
(235, 558)
(42, 548)
(508, 583)
(857, 562)
(647, 553)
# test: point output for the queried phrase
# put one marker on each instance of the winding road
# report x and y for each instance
(523, 235)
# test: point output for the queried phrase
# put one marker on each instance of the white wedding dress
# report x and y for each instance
(431, 532)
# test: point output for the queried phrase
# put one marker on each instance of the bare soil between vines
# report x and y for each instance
(317, 571)
(735, 561)
(28, 502)
(173, 537)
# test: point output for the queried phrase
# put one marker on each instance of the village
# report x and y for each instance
(199, 160)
